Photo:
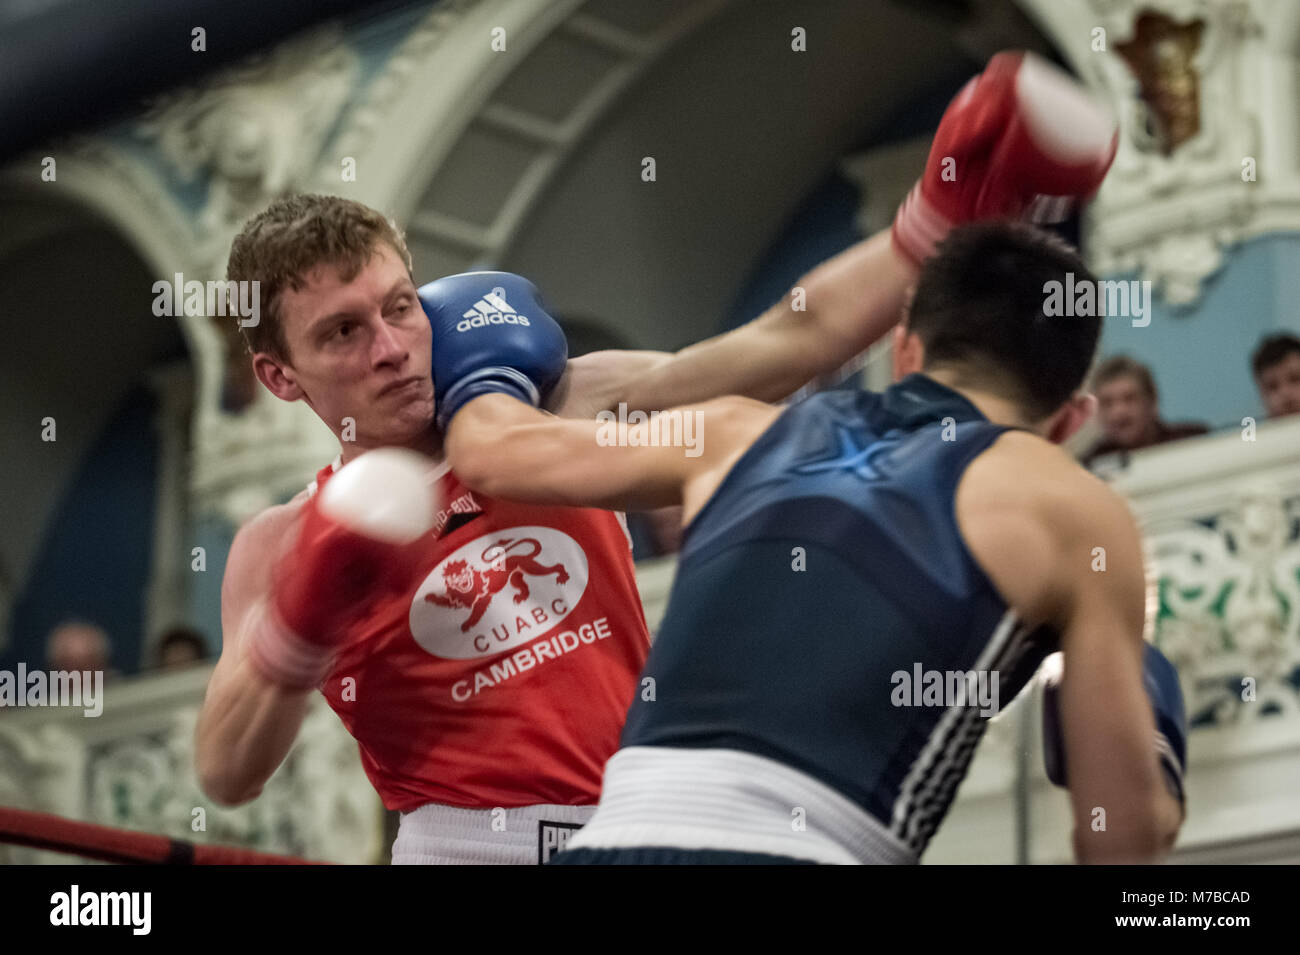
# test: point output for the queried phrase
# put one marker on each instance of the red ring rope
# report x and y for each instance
(40, 830)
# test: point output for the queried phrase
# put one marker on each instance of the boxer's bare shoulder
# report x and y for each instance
(1038, 523)
(246, 726)
(253, 552)
(733, 423)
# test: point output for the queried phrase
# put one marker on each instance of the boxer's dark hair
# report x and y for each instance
(1272, 350)
(980, 309)
(280, 245)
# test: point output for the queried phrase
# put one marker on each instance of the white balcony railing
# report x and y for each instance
(133, 767)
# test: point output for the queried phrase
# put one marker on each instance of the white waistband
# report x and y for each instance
(730, 800)
(448, 835)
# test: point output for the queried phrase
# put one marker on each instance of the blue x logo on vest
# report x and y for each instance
(853, 456)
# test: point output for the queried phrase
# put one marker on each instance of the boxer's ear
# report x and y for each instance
(1071, 416)
(907, 354)
(278, 378)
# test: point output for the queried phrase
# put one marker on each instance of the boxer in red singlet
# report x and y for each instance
(486, 667)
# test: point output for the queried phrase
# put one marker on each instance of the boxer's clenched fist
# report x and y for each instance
(1160, 680)
(1023, 140)
(491, 334)
(353, 546)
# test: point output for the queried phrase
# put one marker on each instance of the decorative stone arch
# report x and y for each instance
(456, 84)
(107, 185)
(64, 261)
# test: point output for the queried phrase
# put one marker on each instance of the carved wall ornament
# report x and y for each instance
(254, 133)
(251, 134)
(1162, 56)
(1204, 92)
(1229, 607)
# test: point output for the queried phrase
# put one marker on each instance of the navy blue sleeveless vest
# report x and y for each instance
(827, 563)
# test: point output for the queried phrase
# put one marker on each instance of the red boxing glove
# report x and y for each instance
(1022, 140)
(354, 546)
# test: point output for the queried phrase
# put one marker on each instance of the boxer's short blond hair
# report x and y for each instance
(282, 244)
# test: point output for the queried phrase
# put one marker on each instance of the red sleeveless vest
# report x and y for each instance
(504, 677)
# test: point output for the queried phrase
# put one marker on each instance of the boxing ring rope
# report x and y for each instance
(40, 830)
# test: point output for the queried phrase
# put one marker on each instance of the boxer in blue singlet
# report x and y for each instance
(865, 579)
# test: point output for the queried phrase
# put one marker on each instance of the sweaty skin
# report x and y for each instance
(1030, 516)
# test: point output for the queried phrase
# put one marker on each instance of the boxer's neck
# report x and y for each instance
(995, 408)
(428, 443)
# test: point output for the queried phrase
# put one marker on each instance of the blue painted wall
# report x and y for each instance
(94, 560)
(214, 535)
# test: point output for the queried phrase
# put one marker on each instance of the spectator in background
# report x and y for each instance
(78, 645)
(1129, 409)
(1276, 364)
(180, 647)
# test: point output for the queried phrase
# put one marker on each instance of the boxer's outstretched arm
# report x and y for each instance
(1020, 130)
(848, 303)
(1122, 811)
(1063, 550)
(502, 447)
(247, 724)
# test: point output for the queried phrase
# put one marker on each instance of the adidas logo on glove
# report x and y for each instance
(491, 309)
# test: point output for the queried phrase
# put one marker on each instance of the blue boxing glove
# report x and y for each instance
(1160, 680)
(491, 335)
